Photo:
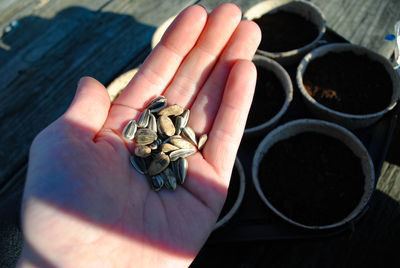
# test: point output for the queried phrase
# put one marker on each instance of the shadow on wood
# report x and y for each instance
(42, 63)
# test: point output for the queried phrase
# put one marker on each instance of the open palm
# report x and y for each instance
(85, 205)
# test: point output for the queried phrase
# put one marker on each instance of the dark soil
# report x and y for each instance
(348, 83)
(268, 98)
(312, 179)
(233, 193)
(284, 31)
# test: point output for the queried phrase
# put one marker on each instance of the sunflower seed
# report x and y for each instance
(145, 136)
(181, 153)
(156, 135)
(142, 151)
(157, 182)
(144, 118)
(181, 143)
(157, 104)
(165, 126)
(185, 115)
(171, 110)
(202, 141)
(169, 179)
(182, 166)
(130, 130)
(152, 123)
(189, 134)
(159, 163)
(139, 164)
(179, 167)
(168, 147)
(175, 169)
(169, 138)
(153, 145)
(179, 124)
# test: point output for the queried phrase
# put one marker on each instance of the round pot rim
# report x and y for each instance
(161, 29)
(346, 47)
(286, 83)
(288, 53)
(365, 198)
(242, 184)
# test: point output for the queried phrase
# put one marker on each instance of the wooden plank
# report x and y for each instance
(12, 10)
(40, 80)
(364, 23)
(389, 181)
(40, 30)
(243, 4)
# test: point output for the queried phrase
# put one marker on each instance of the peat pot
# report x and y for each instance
(348, 84)
(290, 29)
(235, 195)
(272, 97)
(313, 174)
(118, 85)
(160, 31)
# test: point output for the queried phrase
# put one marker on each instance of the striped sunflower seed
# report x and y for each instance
(185, 115)
(130, 130)
(175, 155)
(189, 134)
(157, 182)
(169, 179)
(179, 167)
(145, 136)
(202, 141)
(142, 151)
(182, 167)
(144, 118)
(139, 164)
(158, 164)
(157, 104)
(152, 123)
(179, 124)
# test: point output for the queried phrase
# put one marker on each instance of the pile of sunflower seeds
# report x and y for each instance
(162, 142)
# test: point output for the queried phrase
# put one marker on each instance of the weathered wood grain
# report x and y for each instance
(11, 10)
(364, 23)
(243, 4)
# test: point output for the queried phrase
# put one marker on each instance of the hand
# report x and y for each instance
(84, 204)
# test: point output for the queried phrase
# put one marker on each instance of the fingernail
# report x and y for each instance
(80, 81)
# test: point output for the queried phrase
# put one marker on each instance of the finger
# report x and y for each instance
(196, 67)
(89, 108)
(227, 129)
(160, 66)
(243, 45)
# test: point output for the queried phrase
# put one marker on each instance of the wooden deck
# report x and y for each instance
(56, 42)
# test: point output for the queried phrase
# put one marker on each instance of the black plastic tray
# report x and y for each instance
(254, 221)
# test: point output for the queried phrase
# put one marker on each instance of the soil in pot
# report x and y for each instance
(285, 31)
(312, 179)
(348, 83)
(233, 193)
(268, 99)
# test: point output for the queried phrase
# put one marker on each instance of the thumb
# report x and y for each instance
(90, 106)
